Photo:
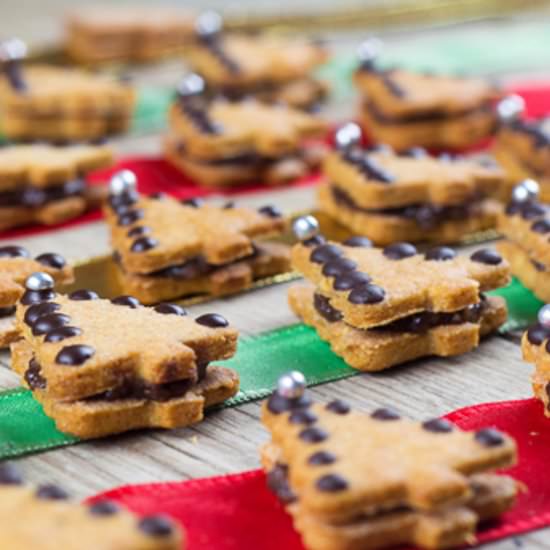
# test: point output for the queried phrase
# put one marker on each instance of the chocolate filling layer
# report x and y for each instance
(426, 216)
(7, 311)
(128, 388)
(417, 322)
(248, 158)
(30, 196)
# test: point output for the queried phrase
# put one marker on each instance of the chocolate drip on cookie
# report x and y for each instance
(214, 43)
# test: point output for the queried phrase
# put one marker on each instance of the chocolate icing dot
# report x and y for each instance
(316, 240)
(331, 483)
(399, 251)
(74, 355)
(138, 231)
(62, 333)
(48, 322)
(103, 508)
(143, 244)
(212, 320)
(51, 492)
(126, 198)
(194, 202)
(33, 376)
(358, 242)
(83, 294)
(438, 425)
(350, 280)
(9, 475)
(486, 256)
(229, 205)
(302, 416)
(128, 301)
(415, 152)
(270, 211)
(489, 437)
(541, 226)
(321, 458)
(13, 251)
(537, 334)
(530, 211)
(440, 253)
(130, 217)
(37, 310)
(37, 296)
(278, 404)
(159, 195)
(325, 253)
(385, 413)
(156, 526)
(170, 309)
(367, 294)
(547, 346)
(338, 266)
(313, 435)
(51, 259)
(338, 407)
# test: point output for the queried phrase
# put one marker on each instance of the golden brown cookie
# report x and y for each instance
(373, 286)
(366, 480)
(63, 104)
(198, 277)
(51, 520)
(415, 223)
(84, 346)
(418, 335)
(112, 33)
(154, 233)
(170, 405)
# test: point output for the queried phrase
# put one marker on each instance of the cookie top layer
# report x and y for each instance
(54, 90)
(44, 165)
(384, 179)
(344, 462)
(49, 519)
(222, 129)
(374, 286)
(400, 93)
(150, 234)
(237, 60)
(16, 265)
(85, 345)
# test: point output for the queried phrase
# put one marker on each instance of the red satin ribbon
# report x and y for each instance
(238, 512)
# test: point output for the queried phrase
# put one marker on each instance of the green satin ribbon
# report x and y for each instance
(260, 360)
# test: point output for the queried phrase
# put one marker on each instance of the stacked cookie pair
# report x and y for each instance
(356, 480)
(222, 143)
(167, 249)
(16, 265)
(53, 521)
(47, 184)
(382, 307)
(412, 196)
(267, 67)
(100, 367)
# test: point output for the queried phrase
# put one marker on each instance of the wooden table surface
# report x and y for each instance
(228, 440)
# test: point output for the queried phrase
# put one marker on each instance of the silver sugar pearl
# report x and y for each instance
(208, 23)
(348, 135)
(122, 182)
(305, 227)
(291, 385)
(190, 85)
(369, 50)
(39, 281)
(510, 108)
(525, 191)
(544, 316)
(12, 50)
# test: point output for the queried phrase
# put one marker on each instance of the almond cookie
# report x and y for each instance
(427, 483)
(112, 33)
(373, 286)
(16, 265)
(222, 143)
(47, 184)
(266, 66)
(409, 109)
(61, 104)
(54, 521)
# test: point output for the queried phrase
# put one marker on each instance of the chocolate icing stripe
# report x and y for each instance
(534, 130)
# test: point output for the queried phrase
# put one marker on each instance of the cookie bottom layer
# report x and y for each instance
(226, 174)
(534, 275)
(385, 229)
(90, 419)
(455, 132)
(8, 331)
(375, 350)
(270, 259)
